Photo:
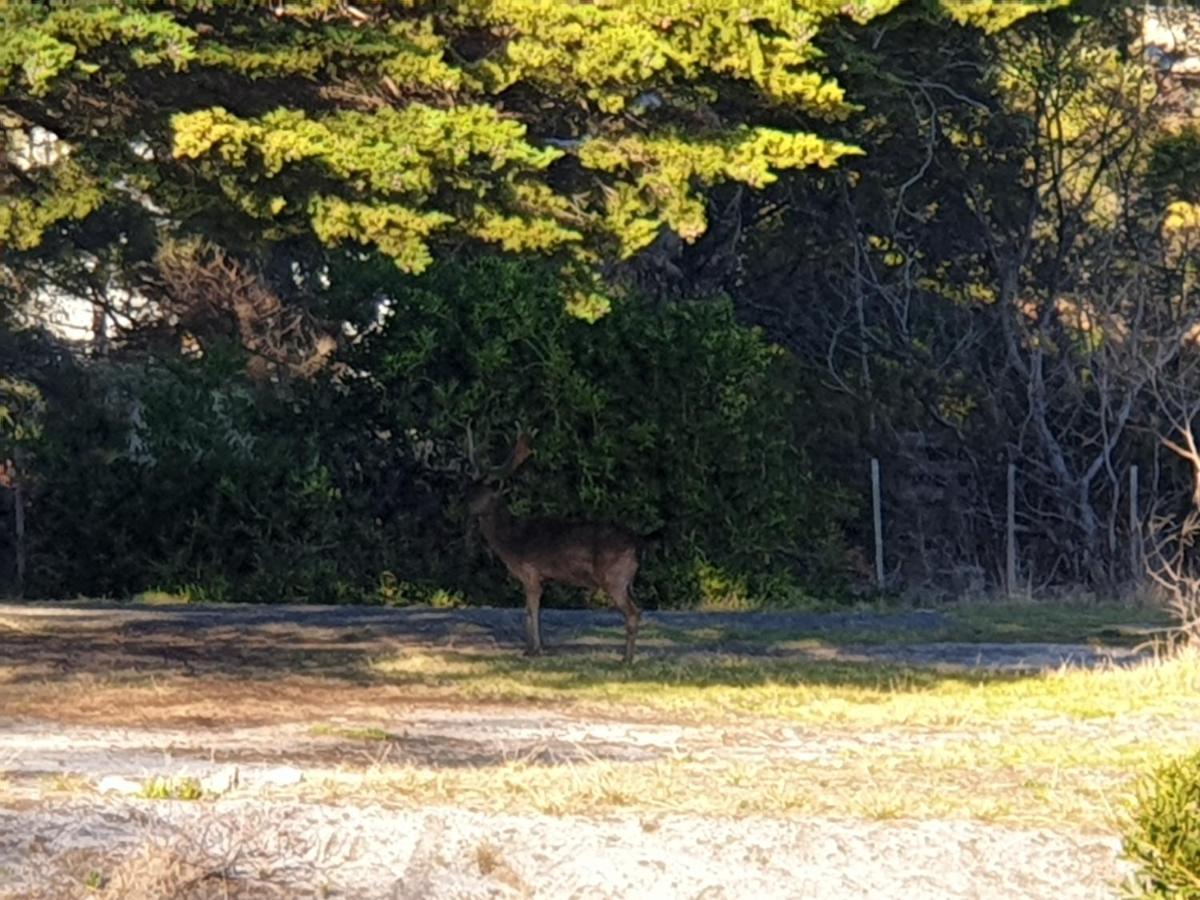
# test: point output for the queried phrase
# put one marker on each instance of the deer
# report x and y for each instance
(537, 550)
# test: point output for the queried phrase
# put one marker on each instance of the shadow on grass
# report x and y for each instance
(500, 672)
(44, 643)
(496, 676)
(1111, 625)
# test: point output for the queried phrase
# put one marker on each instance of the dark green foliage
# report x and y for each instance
(674, 416)
(190, 477)
(1163, 835)
(1174, 167)
(187, 478)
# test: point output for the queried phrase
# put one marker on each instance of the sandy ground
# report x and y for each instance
(292, 849)
(72, 823)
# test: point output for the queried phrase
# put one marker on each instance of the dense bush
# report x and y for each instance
(190, 476)
(675, 416)
(1163, 834)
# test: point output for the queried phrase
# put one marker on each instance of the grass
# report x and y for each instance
(351, 734)
(1060, 748)
(816, 693)
(162, 788)
(162, 598)
(490, 860)
(1030, 621)
(172, 867)
(65, 783)
(878, 787)
(993, 622)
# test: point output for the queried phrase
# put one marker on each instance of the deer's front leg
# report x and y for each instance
(533, 617)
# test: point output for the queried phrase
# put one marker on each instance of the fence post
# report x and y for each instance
(1135, 526)
(877, 508)
(18, 496)
(1010, 561)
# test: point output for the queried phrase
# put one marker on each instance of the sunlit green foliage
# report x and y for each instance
(578, 128)
(996, 15)
(384, 125)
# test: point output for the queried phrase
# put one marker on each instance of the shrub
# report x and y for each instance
(188, 477)
(1163, 834)
(674, 416)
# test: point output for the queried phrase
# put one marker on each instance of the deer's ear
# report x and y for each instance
(521, 451)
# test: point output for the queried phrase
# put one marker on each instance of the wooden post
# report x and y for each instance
(877, 507)
(1135, 526)
(1010, 561)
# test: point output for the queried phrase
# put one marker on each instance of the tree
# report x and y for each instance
(585, 130)
(837, 168)
(963, 289)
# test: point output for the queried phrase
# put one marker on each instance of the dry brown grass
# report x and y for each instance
(872, 787)
(158, 870)
(492, 864)
(153, 871)
(182, 701)
(212, 857)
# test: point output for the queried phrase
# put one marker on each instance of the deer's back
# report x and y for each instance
(585, 554)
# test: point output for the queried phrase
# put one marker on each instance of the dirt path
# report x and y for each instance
(234, 635)
(335, 791)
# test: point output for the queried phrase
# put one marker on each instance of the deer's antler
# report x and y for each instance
(472, 454)
(521, 451)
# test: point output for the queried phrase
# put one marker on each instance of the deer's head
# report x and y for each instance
(484, 497)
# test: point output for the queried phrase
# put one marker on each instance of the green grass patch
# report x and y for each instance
(162, 598)
(868, 695)
(163, 788)
(1058, 750)
(352, 734)
(1009, 622)
(1110, 623)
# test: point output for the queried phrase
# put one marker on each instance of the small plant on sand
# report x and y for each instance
(162, 788)
(1163, 834)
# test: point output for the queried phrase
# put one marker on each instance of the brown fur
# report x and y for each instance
(539, 550)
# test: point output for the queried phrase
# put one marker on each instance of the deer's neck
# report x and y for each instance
(496, 527)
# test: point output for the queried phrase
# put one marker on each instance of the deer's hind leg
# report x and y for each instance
(622, 598)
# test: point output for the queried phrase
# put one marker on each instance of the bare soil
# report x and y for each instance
(266, 707)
